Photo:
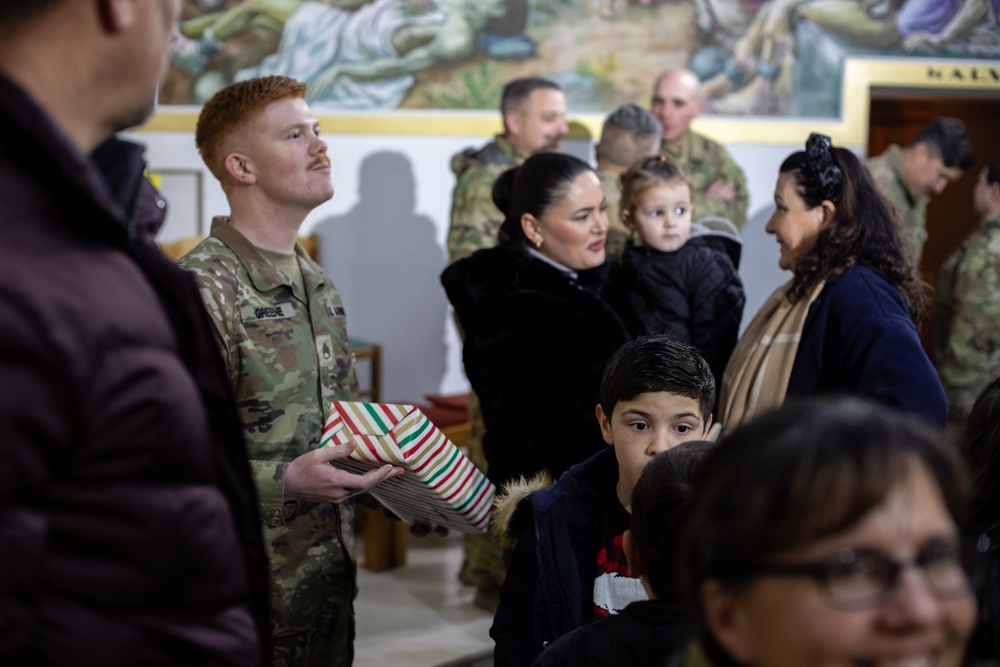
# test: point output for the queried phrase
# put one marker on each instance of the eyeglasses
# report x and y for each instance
(860, 578)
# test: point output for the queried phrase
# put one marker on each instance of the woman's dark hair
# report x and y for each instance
(980, 446)
(536, 185)
(799, 474)
(864, 230)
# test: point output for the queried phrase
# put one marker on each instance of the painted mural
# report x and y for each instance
(754, 57)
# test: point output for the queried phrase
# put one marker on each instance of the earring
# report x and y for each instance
(538, 244)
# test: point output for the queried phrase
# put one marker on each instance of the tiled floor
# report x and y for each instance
(420, 615)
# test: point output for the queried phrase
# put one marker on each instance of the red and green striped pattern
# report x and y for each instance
(441, 485)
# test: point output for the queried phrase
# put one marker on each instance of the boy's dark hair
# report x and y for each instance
(946, 137)
(659, 501)
(654, 363)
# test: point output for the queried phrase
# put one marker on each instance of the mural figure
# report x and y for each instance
(354, 59)
(762, 57)
(758, 75)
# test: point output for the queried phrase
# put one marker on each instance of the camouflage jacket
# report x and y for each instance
(618, 233)
(887, 170)
(287, 353)
(965, 317)
(475, 219)
(706, 162)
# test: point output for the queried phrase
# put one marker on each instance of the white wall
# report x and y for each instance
(383, 240)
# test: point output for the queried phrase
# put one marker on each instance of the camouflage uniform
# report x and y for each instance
(618, 233)
(887, 170)
(965, 319)
(706, 162)
(288, 358)
(475, 219)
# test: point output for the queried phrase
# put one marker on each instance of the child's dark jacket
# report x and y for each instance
(694, 293)
(649, 632)
(549, 588)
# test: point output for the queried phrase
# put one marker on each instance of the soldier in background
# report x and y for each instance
(967, 306)
(718, 188)
(629, 134)
(910, 176)
(534, 120)
(281, 326)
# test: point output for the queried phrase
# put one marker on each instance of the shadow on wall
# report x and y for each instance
(384, 259)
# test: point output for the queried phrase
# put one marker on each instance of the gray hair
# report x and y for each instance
(629, 134)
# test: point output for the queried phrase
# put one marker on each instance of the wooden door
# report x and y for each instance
(896, 117)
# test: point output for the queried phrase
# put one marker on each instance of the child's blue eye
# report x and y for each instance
(679, 210)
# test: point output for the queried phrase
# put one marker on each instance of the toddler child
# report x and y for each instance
(674, 275)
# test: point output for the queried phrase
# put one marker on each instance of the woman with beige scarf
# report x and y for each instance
(844, 323)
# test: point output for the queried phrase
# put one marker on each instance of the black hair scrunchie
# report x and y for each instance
(821, 168)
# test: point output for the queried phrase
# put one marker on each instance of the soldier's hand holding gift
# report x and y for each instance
(311, 478)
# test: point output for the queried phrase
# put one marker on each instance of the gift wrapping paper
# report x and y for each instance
(441, 486)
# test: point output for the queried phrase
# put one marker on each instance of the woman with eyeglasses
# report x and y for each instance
(825, 534)
(845, 322)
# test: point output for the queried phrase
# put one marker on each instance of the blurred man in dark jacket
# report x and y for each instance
(128, 524)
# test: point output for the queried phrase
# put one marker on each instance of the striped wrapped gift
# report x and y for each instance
(441, 486)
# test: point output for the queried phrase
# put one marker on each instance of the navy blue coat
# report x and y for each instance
(859, 339)
(549, 588)
(649, 633)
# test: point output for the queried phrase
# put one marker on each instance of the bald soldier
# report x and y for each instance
(718, 187)
(534, 120)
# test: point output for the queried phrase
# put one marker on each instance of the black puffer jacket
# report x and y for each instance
(128, 523)
(694, 293)
(536, 342)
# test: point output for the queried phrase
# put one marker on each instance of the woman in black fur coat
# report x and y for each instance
(537, 330)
